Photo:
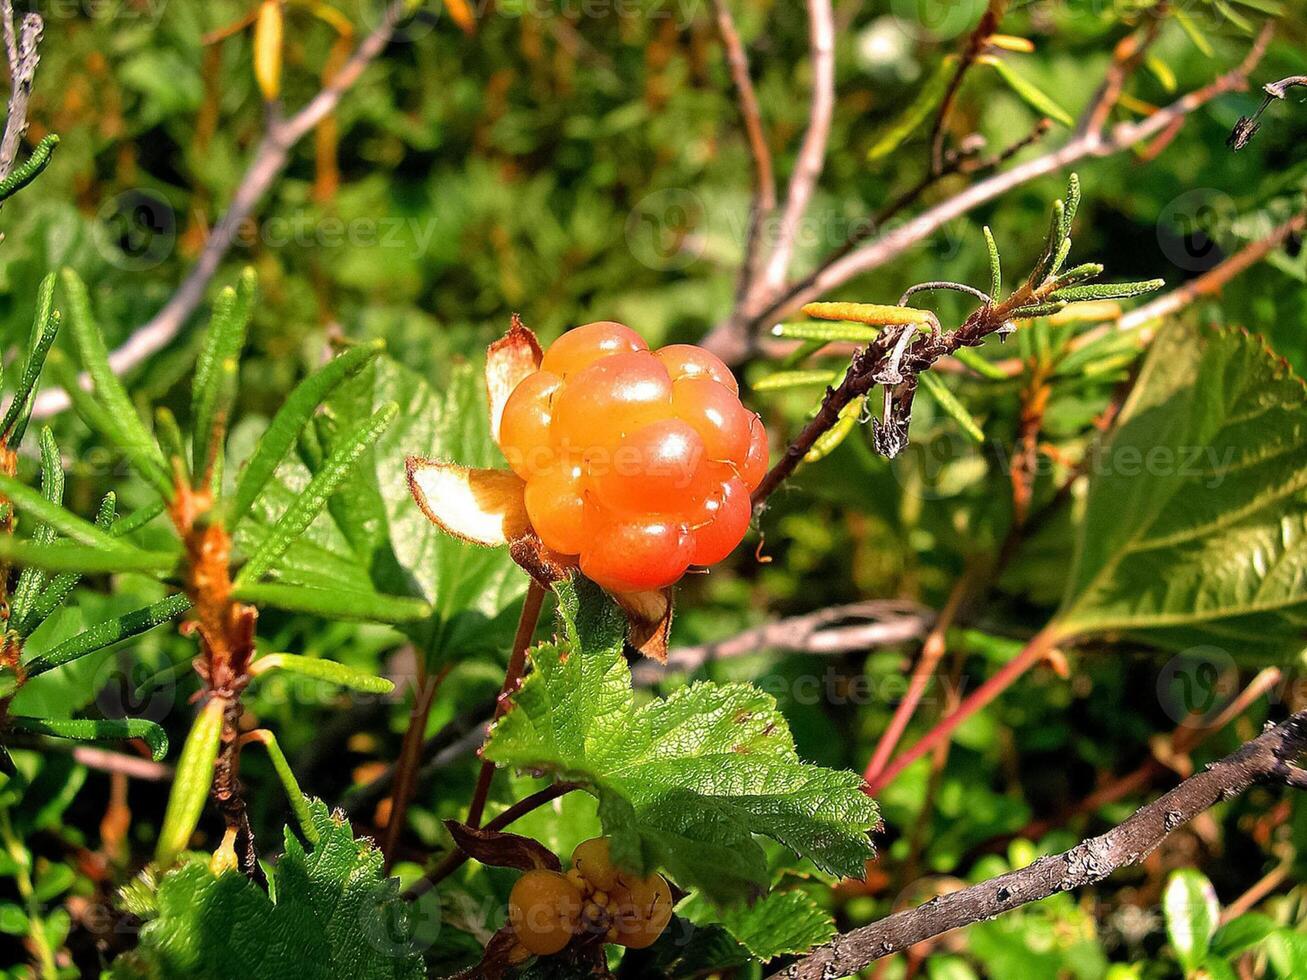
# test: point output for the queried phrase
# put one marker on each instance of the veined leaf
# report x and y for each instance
(1032, 94)
(310, 503)
(289, 422)
(108, 633)
(781, 923)
(325, 670)
(93, 729)
(687, 780)
(329, 911)
(953, 408)
(1195, 525)
(929, 95)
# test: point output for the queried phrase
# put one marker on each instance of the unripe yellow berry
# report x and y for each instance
(644, 907)
(592, 859)
(545, 910)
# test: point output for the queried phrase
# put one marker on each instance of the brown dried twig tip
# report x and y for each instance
(1247, 126)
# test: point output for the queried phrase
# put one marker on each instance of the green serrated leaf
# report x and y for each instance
(1195, 528)
(291, 419)
(950, 405)
(94, 729)
(782, 923)
(329, 911)
(1032, 94)
(929, 95)
(702, 771)
(326, 670)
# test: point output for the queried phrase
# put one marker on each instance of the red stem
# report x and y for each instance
(526, 627)
(1008, 674)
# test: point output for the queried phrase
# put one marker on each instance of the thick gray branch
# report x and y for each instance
(1270, 758)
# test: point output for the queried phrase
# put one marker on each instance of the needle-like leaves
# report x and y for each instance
(1107, 290)
(63, 583)
(857, 333)
(190, 786)
(299, 803)
(32, 580)
(215, 373)
(111, 631)
(290, 421)
(44, 329)
(301, 513)
(949, 403)
(67, 557)
(995, 265)
(29, 169)
(94, 729)
(334, 603)
(323, 670)
(795, 379)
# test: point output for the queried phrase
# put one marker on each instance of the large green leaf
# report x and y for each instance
(331, 914)
(687, 781)
(783, 922)
(471, 589)
(1195, 527)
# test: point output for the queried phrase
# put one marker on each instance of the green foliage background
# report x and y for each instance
(511, 171)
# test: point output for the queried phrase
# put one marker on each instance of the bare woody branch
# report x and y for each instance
(764, 198)
(976, 41)
(270, 158)
(1270, 759)
(1091, 143)
(23, 57)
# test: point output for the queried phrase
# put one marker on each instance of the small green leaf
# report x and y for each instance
(64, 557)
(216, 369)
(1162, 72)
(995, 265)
(190, 787)
(1038, 310)
(1032, 94)
(29, 501)
(53, 881)
(1192, 912)
(953, 408)
(93, 729)
(1241, 934)
(309, 504)
(929, 95)
(137, 519)
(1081, 273)
(1287, 951)
(29, 169)
(827, 331)
(299, 803)
(290, 420)
(977, 363)
(109, 632)
(32, 580)
(1107, 290)
(44, 330)
(169, 434)
(345, 604)
(324, 670)
(131, 434)
(795, 379)
(63, 583)
(1195, 35)
(831, 439)
(1071, 205)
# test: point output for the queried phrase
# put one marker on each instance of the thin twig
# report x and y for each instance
(764, 195)
(976, 41)
(23, 56)
(845, 265)
(270, 159)
(526, 625)
(1267, 759)
(812, 152)
(410, 756)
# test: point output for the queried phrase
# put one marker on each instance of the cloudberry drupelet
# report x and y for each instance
(638, 462)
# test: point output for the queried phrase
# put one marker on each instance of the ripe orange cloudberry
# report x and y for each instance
(639, 463)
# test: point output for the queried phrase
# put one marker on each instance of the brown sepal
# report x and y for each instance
(542, 564)
(508, 360)
(500, 850)
(649, 620)
(502, 953)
